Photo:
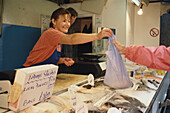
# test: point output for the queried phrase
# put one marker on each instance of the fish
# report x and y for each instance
(126, 107)
(98, 83)
(149, 84)
(144, 84)
(125, 103)
(134, 101)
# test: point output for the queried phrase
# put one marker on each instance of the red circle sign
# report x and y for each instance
(154, 32)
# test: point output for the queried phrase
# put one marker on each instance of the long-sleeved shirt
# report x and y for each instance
(152, 57)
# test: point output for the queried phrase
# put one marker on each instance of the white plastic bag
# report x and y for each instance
(116, 74)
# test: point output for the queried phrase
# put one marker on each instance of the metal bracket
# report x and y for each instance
(164, 104)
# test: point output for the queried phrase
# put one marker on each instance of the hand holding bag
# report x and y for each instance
(116, 75)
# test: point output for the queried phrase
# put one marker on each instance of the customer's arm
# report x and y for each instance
(152, 57)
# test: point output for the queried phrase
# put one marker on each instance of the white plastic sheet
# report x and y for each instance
(116, 74)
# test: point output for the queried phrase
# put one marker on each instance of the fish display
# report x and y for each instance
(92, 95)
(143, 84)
(124, 103)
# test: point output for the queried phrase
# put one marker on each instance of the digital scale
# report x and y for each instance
(85, 68)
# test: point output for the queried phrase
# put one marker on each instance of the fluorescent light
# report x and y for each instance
(136, 2)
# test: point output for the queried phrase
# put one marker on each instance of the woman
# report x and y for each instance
(47, 50)
(152, 57)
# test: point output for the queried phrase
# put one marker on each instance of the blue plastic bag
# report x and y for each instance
(116, 75)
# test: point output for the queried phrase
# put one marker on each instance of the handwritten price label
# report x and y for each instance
(91, 79)
(81, 108)
(72, 89)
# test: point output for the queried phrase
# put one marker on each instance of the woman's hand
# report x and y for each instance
(104, 33)
(68, 61)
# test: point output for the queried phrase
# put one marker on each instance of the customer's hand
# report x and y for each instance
(121, 48)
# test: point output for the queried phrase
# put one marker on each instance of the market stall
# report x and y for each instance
(73, 93)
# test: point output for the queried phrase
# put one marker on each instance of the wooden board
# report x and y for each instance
(63, 81)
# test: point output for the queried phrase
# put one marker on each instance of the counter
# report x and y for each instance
(151, 98)
(93, 97)
(63, 81)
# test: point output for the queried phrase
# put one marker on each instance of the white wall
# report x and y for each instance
(27, 12)
(114, 16)
(144, 23)
(130, 13)
(119, 14)
(130, 27)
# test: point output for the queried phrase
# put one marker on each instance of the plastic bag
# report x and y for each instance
(116, 75)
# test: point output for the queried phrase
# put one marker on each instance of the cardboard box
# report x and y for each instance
(32, 85)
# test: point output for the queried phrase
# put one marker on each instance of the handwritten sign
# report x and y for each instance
(91, 79)
(72, 89)
(81, 108)
(78, 105)
(37, 85)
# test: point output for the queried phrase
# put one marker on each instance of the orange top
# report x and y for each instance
(44, 47)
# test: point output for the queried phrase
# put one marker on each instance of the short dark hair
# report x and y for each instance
(72, 11)
(57, 13)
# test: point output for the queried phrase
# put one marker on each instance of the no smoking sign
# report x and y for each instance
(154, 32)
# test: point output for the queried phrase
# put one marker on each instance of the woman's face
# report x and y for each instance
(62, 23)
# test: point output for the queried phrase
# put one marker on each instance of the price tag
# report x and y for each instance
(72, 89)
(91, 79)
(81, 108)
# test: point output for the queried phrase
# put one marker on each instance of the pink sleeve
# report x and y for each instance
(152, 57)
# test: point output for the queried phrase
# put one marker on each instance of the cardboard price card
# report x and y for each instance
(32, 85)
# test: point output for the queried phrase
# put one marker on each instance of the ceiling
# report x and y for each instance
(61, 2)
(152, 1)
